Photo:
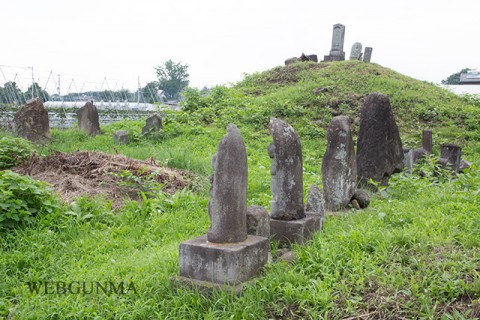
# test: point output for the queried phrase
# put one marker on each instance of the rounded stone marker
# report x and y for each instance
(227, 207)
(286, 171)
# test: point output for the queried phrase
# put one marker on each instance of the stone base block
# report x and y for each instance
(224, 264)
(295, 231)
(336, 56)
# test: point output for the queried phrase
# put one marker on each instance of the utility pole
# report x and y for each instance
(58, 85)
(33, 88)
(138, 98)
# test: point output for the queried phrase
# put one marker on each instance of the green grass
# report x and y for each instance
(412, 254)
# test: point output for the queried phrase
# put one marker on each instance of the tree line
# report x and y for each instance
(172, 80)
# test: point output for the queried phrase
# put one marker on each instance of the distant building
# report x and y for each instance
(471, 77)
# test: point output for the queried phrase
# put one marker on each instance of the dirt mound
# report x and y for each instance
(94, 173)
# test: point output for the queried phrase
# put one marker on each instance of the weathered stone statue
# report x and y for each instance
(228, 192)
(88, 119)
(339, 167)
(379, 148)
(31, 122)
(226, 256)
(286, 171)
(288, 222)
(356, 52)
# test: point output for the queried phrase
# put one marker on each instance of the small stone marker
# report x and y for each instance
(258, 221)
(315, 200)
(379, 148)
(303, 57)
(153, 124)
(226, 256)
(356, 52)
(339, 167)
(121, 137)
(408, 159)
(362, 198)
(288, 221)
(464, 164)
(427, 141)
(338, 38)
(31, 122)
(316, 203)
(418, 154)
(453, 155)
(88, 119)
(292, 60)
(367, 55)
(312, 57)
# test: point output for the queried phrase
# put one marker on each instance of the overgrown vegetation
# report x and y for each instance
(412, 254)
(22, 198)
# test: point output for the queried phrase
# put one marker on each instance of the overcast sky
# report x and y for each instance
(220, 40)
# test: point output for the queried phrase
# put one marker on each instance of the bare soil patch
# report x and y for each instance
(93, 173)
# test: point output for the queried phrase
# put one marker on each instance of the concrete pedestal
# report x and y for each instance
(222, 264)
(295, 231)
(335, 56)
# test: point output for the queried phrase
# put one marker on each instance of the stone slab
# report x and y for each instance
(224, 264)
(295, 231)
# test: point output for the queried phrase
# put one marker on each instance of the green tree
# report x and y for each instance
(455, 78)
(35, 91)
(172, 78)
(150, 92)
(13, 94)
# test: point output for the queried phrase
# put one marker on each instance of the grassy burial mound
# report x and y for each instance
(412, 254)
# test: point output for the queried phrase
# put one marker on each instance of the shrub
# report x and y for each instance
(22, 198)
(14, 151)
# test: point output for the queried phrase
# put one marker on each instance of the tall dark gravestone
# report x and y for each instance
(379, 148)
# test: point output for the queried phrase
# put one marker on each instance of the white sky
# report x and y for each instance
(220, 40)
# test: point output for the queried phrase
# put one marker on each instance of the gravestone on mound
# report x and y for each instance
(367, 55)
(379, 148)
(356, 52)
(88, 119)
(339, 167)
(226, 255)
(31, 122)
(338, 38)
